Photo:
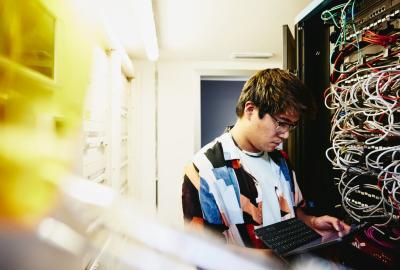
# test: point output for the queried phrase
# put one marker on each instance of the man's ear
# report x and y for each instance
(249, 109)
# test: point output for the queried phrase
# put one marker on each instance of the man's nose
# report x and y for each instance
(284, 135)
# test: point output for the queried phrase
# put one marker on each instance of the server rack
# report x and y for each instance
(315, 47)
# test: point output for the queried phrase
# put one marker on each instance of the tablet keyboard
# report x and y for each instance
(286, 235)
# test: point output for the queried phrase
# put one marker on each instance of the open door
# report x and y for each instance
(289, 50)
(289, 63)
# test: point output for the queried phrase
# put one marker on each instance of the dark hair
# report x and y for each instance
(276, 91)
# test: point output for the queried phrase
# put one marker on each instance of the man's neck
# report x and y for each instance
(238, 133)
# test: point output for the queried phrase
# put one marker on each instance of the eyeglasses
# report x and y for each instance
(282, 126)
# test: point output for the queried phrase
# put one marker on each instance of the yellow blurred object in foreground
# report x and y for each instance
(44, 65)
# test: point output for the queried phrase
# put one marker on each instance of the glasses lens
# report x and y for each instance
(282, 127)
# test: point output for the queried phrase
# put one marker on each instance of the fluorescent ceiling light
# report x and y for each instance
(252, 55)
(148, 28)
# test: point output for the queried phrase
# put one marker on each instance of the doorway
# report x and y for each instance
(219, 96)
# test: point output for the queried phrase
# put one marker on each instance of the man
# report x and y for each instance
(240, 181)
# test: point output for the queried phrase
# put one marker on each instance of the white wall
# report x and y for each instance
(176, 104)
(178, 125)
(143, 130)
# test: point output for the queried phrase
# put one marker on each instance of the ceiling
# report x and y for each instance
(208, 30)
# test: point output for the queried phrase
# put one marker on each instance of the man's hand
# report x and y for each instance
(327, 224)
(324, 225)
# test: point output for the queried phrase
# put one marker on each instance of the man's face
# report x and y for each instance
(267, 133)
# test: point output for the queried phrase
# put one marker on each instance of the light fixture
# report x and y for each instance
(148, 28)
(252, 55)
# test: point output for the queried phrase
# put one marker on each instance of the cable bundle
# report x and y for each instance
(364, 97)
(379, 235)
(377, 39)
